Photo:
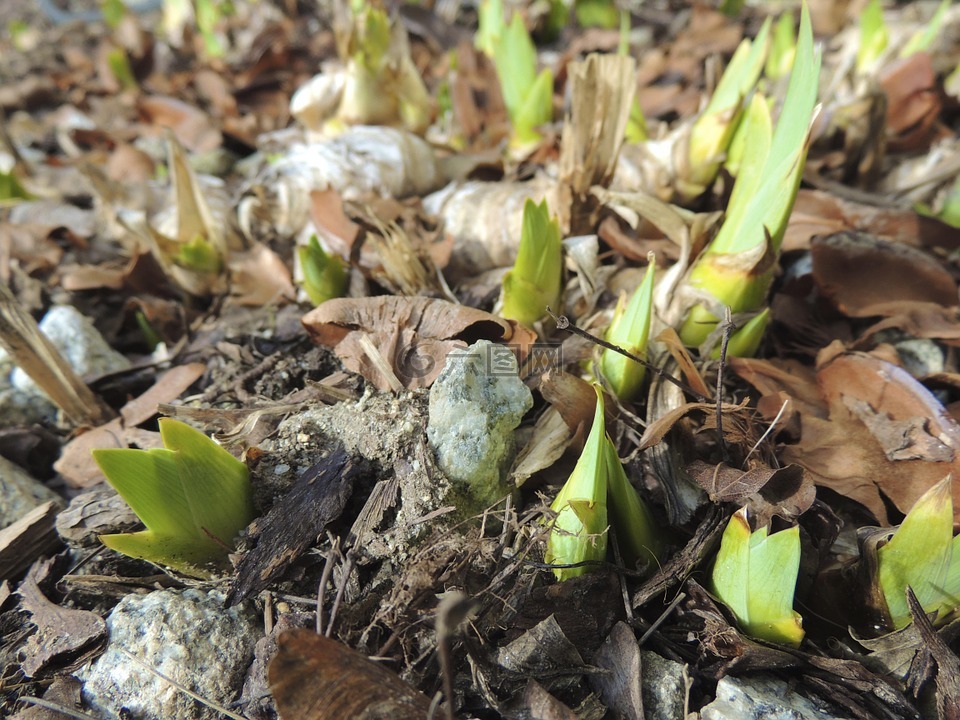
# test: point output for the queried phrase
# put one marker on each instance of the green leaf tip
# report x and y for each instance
(579, 532)
(630, 330)
(324, 276)
(921, 554)
(755, 575)
(597, 489)
(193, 497)
(737, 268)
(535, 281)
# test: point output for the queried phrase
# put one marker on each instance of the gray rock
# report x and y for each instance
(81, 344)
(762, 697)
(475, 405)
(664, 687)
(20, 492)
(19, 409)
(185, 634)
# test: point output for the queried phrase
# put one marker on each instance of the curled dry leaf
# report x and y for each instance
(313, 677)
(412, 335)
(879, 435)
(913, 104)
(865, 276)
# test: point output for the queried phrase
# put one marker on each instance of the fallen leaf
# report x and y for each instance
(865, 276)
(620, 687)
(317, 678)
(192, 127)
(413, 335)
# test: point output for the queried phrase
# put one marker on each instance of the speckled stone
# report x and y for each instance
(80, 343)
(20, 492)
(185, 634)
(475, 406)
(762, 697)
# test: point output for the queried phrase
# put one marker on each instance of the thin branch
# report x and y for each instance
(563, 323)
(728, 328)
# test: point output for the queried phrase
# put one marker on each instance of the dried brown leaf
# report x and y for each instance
(413, 335)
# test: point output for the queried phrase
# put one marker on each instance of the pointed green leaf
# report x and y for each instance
(774, 564)
(324, 276)
(536, 109)
(630, 330)
(216, 484)
(874, 35)
(919, 554)
(515, 58)
(185, 555)
(746, 340)
(637, 534)
(490, 26)
(755, 575)
(149, 483)
(923, 38)
(579, 532)
(731, 571)
(534, 282)
(783, 47)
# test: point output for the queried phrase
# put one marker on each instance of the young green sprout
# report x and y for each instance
(924, 555)
(755, 575)
(535, 281)
(737, 268)
(579, 532)
(599, 488)
(527, 95)
(783, 48)
(874, 36)
(193, 496)
(324, 276)
(712, 132)
(630, 330)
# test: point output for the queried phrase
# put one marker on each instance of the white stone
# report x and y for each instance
(763, 697)
(188, 636)
(80, 343)
(475, 405)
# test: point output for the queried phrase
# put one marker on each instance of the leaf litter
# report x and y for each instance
(167, 185)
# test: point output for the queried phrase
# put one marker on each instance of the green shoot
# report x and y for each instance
(924, 555)
(527, 95)
(737, 268)
(629, 329)
(637, 535)
(874, 36)
(783, 48)
(113, 12)
(596, 13)
(193, 496)
(490, 26)
(199, 256)
(324, 276)
(923, 38)
(755, 575)
(535, 281)
(579, 533)
(119, 65)
(711, 133)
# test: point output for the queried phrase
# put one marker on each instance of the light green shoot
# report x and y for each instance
(755, 575)
(711, 133)
(527, 95)
(637, 535)
(119, 65)
(113, 12)
(746, 340)
(324, 276)
(921, 555)
(199, 255)
(630, 330)
(490, 26)
(783, 47)
(737, 268)
(534, 282)
(923, 38)
(596, 13)
(193, 496)
(579, 532)
(874, 36)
